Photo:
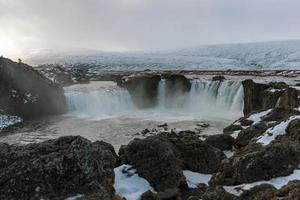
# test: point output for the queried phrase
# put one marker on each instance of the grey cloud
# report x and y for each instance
(147, 24)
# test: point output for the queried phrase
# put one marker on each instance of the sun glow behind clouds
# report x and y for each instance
(7, 46)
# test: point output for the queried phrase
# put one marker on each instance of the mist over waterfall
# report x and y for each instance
(206, 99)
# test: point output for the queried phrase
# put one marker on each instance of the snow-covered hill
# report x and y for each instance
(247, 56)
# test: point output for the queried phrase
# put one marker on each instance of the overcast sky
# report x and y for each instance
(126, 25)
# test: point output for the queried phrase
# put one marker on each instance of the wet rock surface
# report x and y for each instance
(57, 169)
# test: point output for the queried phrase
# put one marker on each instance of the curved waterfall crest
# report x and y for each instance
(204, 98)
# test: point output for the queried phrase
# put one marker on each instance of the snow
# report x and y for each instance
(258, 81)
(256, 118)
(229, 153)
(74, 197)
(128, 184)
(275, 131)
(296, 87)
(235, 134)
(252, 56)
(193, 179)
(276, 182)
(8, 120)
(274, 90)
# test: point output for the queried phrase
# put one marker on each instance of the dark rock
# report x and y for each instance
(246, 122)
(220, 141)
(160, 159)
(197, 155)
(262, 96)
(253, 96)
(218, 78)
(246, 135)
(218, 193)
(290, 191)
(194, 193)
(260, 192)
(143, 89)
(264, 163)
(231, 128)
(57, 169)
(27, 93)
(203, 125)
(280, 114)
(293, 130)
(149, 196)
(162, 125)
(155, 159)
(177, 86)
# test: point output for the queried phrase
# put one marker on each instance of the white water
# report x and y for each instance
(206, 99)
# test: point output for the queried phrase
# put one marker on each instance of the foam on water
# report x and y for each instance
(210, 99)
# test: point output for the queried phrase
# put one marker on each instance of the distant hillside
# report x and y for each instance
(251, 56)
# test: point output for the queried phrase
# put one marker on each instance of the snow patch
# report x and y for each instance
(275, 131)
(278, 183)
(128, 184)
(257, 117)
(193, 179)
(9, 120)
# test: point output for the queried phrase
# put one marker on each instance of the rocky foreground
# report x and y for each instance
(256, 158)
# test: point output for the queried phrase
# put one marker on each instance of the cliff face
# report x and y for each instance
(261, 96)
(27, 93)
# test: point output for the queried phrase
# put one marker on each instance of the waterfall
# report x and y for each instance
(100, 103)
(206, 98)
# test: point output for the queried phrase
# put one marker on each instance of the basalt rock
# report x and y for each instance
(293, 130)
(27, 93)
(253, 96)
(57, 169)
(262, 96)
(246, 135)
(195, 154)
(218, 193)
(260, 192)
(156, 159)
(160, 159)
(220, 141)
(259, 163)
(177, 86)
(143, 89)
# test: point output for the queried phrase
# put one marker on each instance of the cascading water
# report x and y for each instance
(206, 99)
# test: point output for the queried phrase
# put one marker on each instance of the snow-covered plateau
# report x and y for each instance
(244, 56)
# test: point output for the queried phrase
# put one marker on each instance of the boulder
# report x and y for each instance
(27, 93)
(259, 163)
(156, 159)
(293, 130)
(195, 154)
(290, 191)
(246, 135)
(220, 141)
(161, 158)
(57, 169)
(143, 89)
(260, 192)
(218, 193)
